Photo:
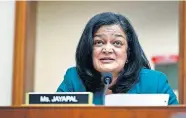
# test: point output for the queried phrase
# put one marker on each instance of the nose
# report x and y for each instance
(107, 49)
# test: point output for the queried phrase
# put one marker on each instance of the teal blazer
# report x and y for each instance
(150, 82)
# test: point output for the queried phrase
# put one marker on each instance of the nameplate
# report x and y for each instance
(68, 98)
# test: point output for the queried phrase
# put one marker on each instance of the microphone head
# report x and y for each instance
(107, 77)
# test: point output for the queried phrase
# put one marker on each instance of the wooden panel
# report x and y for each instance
(97, 112)
(30, 46)
(24, 50)
(93, 112)
(182, 53)
(19, 53)
(9, 113)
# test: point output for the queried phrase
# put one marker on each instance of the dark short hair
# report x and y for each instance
(135, 55)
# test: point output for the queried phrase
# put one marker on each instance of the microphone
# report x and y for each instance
(107, 79)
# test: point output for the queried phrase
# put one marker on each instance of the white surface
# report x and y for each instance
(7, 10)
(136, 100)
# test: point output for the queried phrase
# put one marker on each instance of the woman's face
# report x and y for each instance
(110, 49)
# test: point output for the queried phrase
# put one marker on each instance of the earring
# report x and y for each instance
(126, 61)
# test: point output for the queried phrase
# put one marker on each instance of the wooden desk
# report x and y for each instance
(90, 112)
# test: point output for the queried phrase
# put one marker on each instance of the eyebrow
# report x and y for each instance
(98, 35)
(101, 35)
(119, 35)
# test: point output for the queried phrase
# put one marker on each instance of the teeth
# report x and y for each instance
(106, 59)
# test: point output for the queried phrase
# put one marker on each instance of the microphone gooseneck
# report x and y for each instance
(107, 79)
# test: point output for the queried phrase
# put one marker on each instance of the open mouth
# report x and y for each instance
(107, 60)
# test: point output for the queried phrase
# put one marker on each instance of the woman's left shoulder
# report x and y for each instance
(152, 76)
(150, 71)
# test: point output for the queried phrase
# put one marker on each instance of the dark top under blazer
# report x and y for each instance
(150, 82)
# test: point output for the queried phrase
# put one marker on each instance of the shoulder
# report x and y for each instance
(151, 75)
(71, 81)
(151, 79)
(149, 71)
(72, 75)
(71, 70)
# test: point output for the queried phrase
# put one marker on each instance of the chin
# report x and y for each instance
(108, 69)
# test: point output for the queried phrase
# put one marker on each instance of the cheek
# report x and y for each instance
(122, 56)
(96, 53)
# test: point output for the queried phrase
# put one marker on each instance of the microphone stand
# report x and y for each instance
(107, 79)
(105, 90)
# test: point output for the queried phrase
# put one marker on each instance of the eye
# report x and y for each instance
(117, 43)
(98, 43)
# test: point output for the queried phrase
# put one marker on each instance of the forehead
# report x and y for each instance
(110, 29)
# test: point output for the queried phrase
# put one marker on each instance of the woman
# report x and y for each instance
(110, 44)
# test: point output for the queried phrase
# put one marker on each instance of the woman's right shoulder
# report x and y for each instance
(72, 81)
(71, 73)
(71, 70)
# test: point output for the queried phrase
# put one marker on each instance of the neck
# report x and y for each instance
(114, 78)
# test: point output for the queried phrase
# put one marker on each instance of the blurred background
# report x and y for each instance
(57, 30)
